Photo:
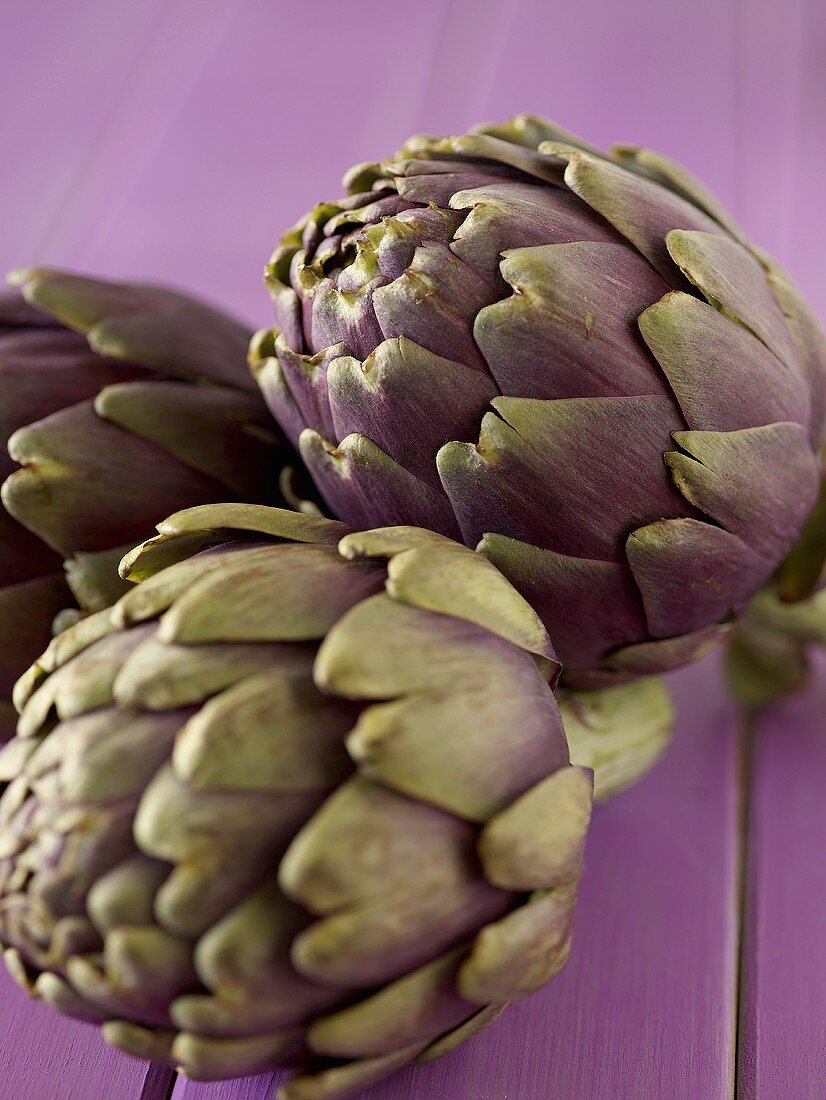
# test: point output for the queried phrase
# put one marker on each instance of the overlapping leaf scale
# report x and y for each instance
(237, 848)
(607, 384)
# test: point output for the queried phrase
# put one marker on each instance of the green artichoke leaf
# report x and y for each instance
(430, 571)
(619, 732)
(151, 325)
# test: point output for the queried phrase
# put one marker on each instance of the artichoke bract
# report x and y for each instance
(98, 403)
(302, 797)
(572, 359)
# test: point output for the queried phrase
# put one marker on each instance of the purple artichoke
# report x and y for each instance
(97, 394)
(253, 817)
(572, 360)
(769, 654)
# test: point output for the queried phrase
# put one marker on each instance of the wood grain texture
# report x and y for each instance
(46, 1057)
(63, 69)
(241, 116)
(645, 1008)
(806, 239)
(660, 74)
(783, 1009)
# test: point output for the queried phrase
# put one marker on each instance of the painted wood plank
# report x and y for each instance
(641, 71)
(806, 167)
(64, 68)
(291, 98)
(88, 91)
(783, 1010)
(186, 35)
(780, 136)
(782, 1051)
(46, 1057)
(767, 137)
(646, 1007)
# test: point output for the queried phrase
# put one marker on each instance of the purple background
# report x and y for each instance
(175, 139)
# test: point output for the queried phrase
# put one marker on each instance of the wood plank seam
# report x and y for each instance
(744, 1083)
(158, 1083)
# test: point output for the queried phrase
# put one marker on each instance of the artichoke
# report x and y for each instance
(618, 732)
(769, 654)
(121, 437)
(571, 359)
(302, 797)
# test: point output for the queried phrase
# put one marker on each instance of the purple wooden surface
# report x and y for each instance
(783, 1009)
(58, 89)
(220, 118)
(174, 139)
(645, 1008)
(46, 1058)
